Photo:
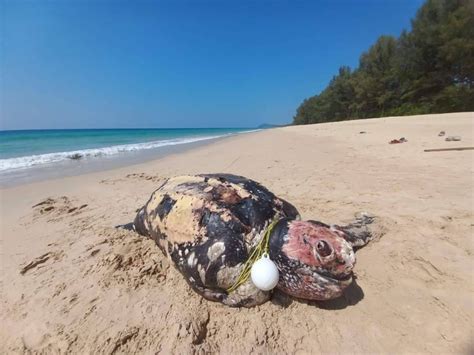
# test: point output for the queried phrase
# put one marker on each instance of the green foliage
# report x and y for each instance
(429, 69)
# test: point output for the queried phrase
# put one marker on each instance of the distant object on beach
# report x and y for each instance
(453, 139)
(448, 149)
(75, 156)
(396, 141)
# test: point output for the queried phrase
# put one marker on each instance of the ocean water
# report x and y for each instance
(23, 150)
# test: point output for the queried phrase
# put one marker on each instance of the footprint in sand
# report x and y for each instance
(123, 258)
(40, 260)
(134, 176)
(143, 176)
(56, 208)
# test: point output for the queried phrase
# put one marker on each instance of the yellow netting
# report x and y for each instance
(260, 249)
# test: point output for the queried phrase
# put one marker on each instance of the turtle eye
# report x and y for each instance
(323, 248)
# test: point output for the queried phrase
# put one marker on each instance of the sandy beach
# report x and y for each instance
(71, 282)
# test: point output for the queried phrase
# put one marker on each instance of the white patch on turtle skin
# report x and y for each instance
(226, 217)
(192, 261)
(348, 255)
(238, 188)
(334, 289)
(215, 250)
(247, 292)
(226, 276)
(202, 273)
(208, 189)
(252, 238)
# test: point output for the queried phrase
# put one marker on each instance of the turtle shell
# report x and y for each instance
(208, 224)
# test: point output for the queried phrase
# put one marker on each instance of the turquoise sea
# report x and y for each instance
(20, 150)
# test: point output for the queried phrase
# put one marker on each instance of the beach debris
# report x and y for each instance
(75, 156)
(448, 149)
(219, 229)
(441, 134)
(362, 132)
(396, 141)
(453, 138)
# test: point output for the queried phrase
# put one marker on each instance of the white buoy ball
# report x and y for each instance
(264, 274)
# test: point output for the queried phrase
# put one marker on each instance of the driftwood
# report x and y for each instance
(446, 149)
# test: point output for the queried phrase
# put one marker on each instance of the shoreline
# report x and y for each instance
(87, 165)
(77, 284)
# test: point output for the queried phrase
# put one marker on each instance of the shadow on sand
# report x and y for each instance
(352, 295)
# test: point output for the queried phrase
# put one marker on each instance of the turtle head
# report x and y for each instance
(315, 262)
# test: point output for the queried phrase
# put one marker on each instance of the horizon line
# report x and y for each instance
(120, 128)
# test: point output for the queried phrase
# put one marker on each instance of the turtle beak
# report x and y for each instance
(346, 259)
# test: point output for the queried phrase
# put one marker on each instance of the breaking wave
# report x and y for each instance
(49, 158)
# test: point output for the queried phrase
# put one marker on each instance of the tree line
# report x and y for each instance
(429, 69)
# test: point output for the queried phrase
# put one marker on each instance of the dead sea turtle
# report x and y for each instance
(208, 225)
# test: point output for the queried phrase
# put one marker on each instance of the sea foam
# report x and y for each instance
(50, 158)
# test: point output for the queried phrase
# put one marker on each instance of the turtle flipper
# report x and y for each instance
(209, 294)
(246, 295)
(357, 233)
(138, 225)
(129, 226)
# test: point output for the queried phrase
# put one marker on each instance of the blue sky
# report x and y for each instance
(107, 64)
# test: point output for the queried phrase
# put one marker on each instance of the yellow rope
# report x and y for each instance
(260, 249)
